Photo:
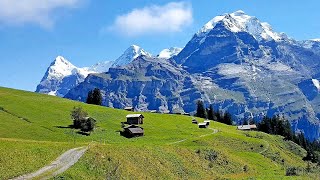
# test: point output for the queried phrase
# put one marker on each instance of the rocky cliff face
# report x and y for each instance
(146, 84)
(236, 63)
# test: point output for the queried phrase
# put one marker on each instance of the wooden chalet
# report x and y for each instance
(202, 125)
(134, 119)
(207, 122)
(132, 131)
(247, 127)
(129, 108)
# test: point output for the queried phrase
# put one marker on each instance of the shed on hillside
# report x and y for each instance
(244, 127)
(207, 122)
(132, 131)
(134, 119)
(202, 125)
(129, 108)
(247, 127)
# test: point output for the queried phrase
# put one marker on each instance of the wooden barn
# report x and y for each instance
(202, 125)
(132, 131)
(247, 127)
(129, 109)
(194, 121)
(207, 122)
(134, 119)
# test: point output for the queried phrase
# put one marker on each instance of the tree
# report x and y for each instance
(88, 125)
(210, 113)
(90, 98)
(97, 98)
(81, 120)
(78, 115)
(94, 97)
(227, 118)
(201, 112)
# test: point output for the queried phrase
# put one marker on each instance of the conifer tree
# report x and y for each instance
(201, 112)
(210, 113)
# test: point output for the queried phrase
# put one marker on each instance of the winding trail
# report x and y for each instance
(214, 131)
(61, 164)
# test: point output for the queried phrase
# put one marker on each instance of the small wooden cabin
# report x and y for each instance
(129, 108)
(132, 131)
(207, 122)
(134, 119)
(202, 125)
(247, 127)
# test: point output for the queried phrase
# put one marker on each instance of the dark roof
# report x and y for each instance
(137, 130)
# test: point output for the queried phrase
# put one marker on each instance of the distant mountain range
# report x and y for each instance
(234, 62)
(62, 75)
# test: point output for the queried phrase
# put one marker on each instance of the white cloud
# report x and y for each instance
(171, 17)
(32, 11)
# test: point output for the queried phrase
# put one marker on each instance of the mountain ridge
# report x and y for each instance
(231, 65)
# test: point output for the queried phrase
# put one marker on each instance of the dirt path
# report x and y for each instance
(214, 131)
(61, 164)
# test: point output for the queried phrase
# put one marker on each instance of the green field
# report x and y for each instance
(34, 131)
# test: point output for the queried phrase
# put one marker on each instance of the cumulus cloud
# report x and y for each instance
(32, 11)
(171, 17)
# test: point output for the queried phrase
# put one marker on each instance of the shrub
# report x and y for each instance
(78, 115)
(291, 171)
(211, 155)
(81, 120)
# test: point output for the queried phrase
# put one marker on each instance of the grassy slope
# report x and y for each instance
(30, 116)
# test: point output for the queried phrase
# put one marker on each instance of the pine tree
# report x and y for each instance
(96, 97)
(90, 98)
(227, 118)
(201, 112)
(210, 113)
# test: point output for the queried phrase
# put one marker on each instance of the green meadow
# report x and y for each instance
(34, 131)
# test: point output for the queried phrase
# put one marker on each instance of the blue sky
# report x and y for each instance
(34, 32)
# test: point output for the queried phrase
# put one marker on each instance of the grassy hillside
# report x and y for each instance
(172, 147)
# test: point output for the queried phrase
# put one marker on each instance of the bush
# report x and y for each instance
(88, 124)
(78, 115)
(81, 120)
(211, 155)
(291, 171)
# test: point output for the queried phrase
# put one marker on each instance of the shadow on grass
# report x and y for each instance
(64, 127)
(83, 133)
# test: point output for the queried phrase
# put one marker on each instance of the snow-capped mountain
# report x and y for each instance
(168, 53)
(129, 55)
(241, 22)
(62, 75)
